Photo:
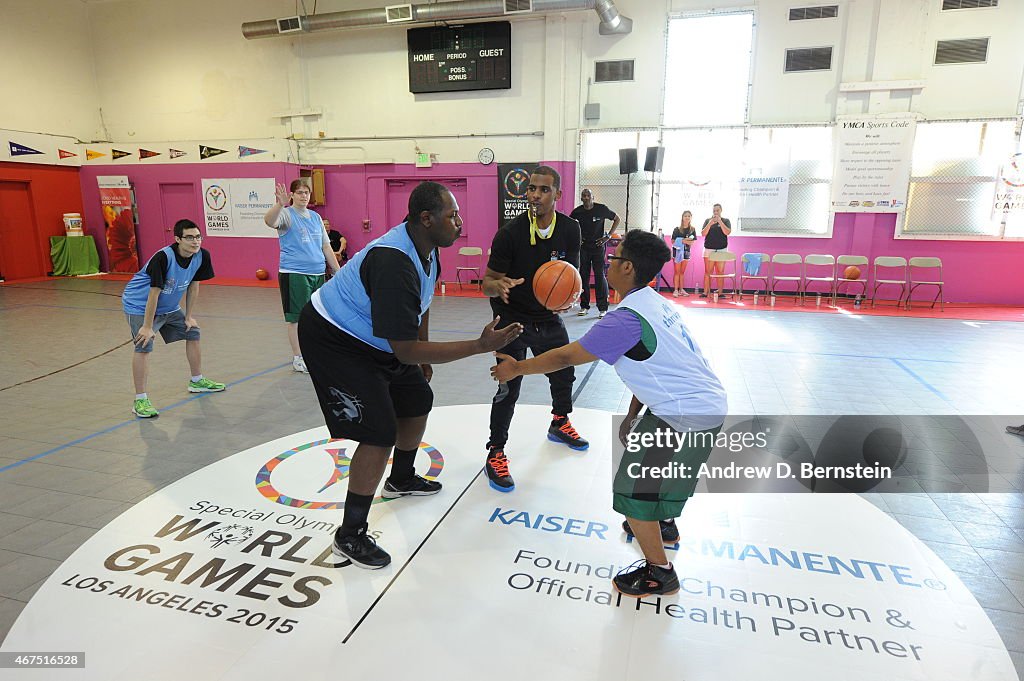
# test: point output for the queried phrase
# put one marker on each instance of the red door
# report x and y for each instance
(19, 242)
(177, 200)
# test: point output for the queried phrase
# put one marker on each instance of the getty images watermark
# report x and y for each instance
(807, 453)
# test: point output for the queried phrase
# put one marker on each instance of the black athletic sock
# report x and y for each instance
(402, 465)
(357, 509)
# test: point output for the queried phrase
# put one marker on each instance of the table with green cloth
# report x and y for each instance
(73, 255)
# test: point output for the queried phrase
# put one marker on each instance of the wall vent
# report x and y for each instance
(967, 51)
(808, 59)
(822, 12)
(613, 71)
(968, 4)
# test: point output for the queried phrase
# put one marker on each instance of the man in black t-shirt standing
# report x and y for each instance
(365, 340)
(520, 247)
(591, 217)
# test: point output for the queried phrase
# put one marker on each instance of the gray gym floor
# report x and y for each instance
(72, 457)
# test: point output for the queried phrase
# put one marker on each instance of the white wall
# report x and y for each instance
(49, 79)
(181, 70)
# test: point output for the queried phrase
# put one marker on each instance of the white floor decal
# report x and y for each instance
(228, 574)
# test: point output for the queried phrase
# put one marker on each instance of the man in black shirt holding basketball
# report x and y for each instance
(591, 217)
(520, 247)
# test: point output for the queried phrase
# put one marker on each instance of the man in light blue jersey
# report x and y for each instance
(305, 251)
(152, 303)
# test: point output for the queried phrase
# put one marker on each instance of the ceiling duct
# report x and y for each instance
(612, 23)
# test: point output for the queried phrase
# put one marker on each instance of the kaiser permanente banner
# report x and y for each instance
(513, 179)
(872, 163)
(235, 207)
(763, 189)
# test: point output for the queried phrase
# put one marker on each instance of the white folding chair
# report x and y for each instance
(844, 261)
(923, 263)
(762, 273)
(467, 252)
(895, 267)
(724, 257)
(787, 260)
(823, 269)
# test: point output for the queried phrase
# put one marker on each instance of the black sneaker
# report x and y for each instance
(416, 486)
(361, 549)
(496, 468)
(561, 430)
(643, 579)
(669, 531)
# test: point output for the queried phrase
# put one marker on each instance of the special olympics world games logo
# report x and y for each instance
(1013, 171)
(216, 197)
(516, 182)
(341, 460)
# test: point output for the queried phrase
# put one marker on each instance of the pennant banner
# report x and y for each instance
(207, 152)
(91, 155)
(117, 153)
(249, 151)
(176, 154)
(65, 154)
(21, 150)
(146, 153)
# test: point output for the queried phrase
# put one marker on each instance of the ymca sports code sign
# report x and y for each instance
(228, 574)
(872, 157)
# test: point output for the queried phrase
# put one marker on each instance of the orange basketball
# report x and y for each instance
(557, 285)
(851, 272)
(262, 274)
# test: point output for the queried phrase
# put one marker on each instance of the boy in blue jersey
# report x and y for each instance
(152, 302)
(655, 355)
(365, 339)
(305, 248)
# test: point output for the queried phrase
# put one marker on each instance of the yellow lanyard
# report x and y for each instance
(535, 231)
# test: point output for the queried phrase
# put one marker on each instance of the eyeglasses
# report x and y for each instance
(192, 237)
(616, 257)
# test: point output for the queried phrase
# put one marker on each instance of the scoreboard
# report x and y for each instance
(454, 58)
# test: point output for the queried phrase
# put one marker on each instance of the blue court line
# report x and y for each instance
(851, 356)
(920, 380)
(111, 429)
(121, 311)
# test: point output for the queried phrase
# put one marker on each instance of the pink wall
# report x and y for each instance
(353, 194)
(973, 271)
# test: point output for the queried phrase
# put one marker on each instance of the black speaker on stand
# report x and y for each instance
(652, 164)
(627, 166)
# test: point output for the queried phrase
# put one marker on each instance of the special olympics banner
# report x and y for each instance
(119, 223)
(235, 207)
(871, 171)
(513, 179)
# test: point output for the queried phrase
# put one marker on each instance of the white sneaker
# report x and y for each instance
(600, 315)
(683, 292)
(583, 312)
(298, 364)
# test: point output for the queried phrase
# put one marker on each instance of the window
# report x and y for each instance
(957, 170)
(707, 79)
